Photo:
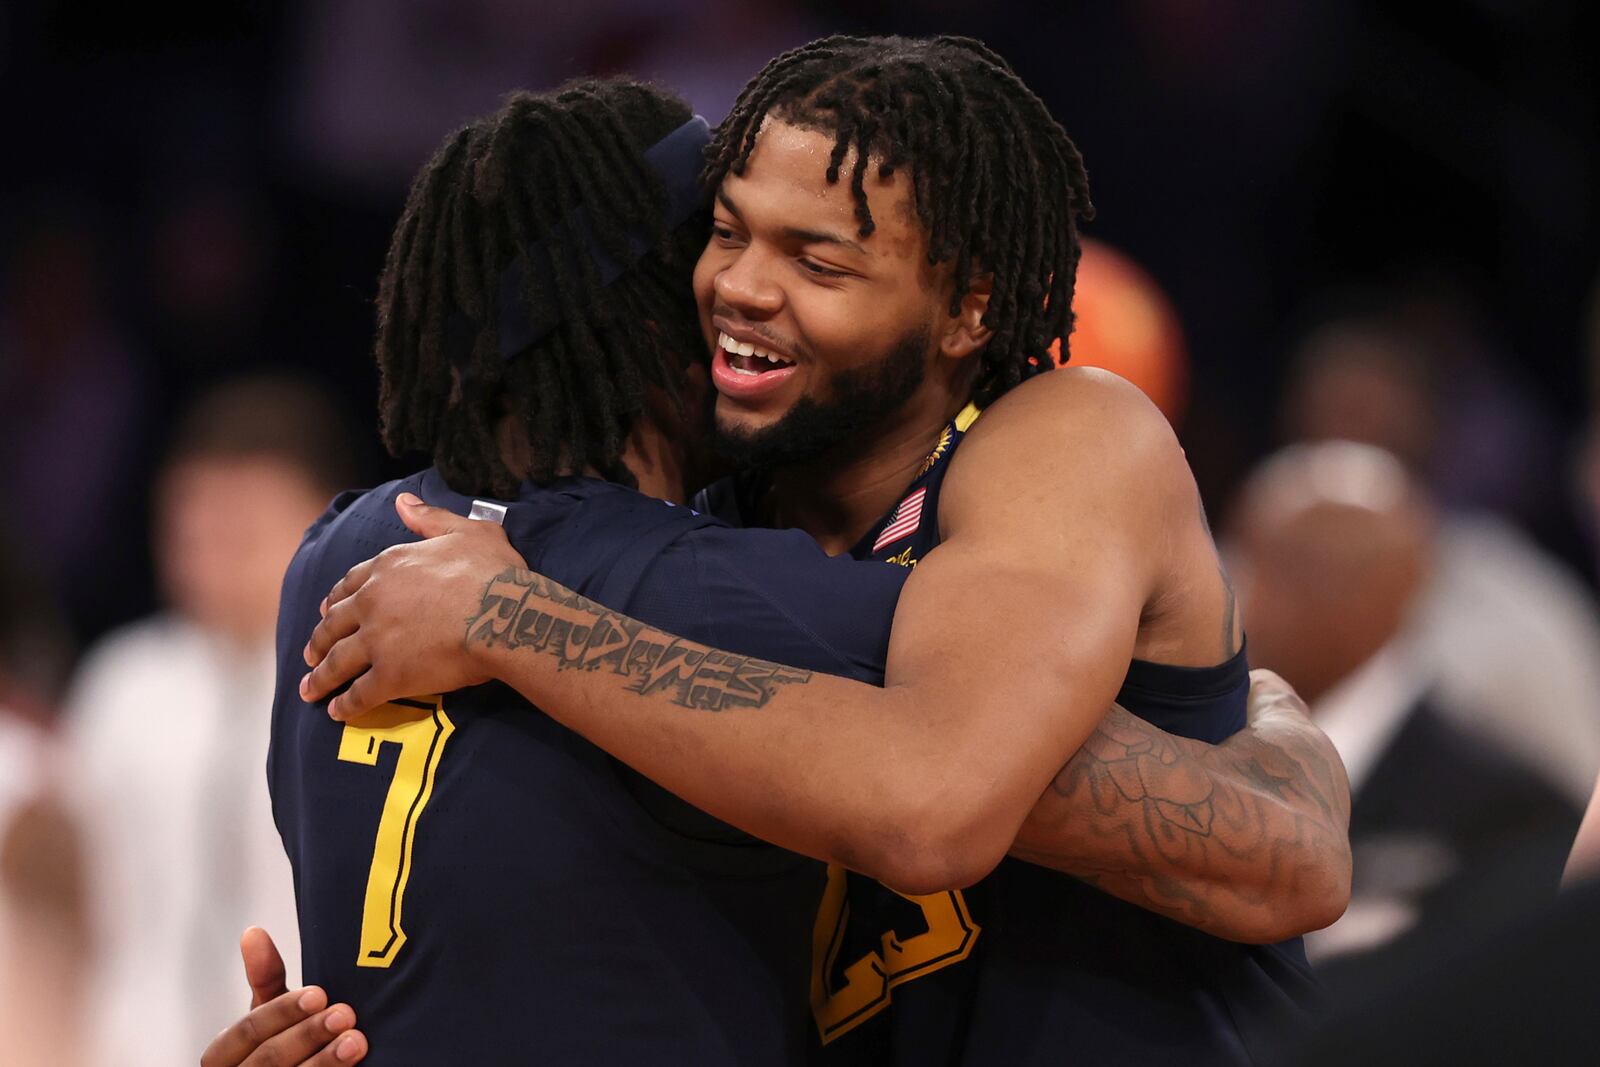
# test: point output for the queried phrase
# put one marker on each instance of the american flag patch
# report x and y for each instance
(905, 520)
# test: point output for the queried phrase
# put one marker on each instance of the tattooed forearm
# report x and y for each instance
(521, 610)
(1227, 838)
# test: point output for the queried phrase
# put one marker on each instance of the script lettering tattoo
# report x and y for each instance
(523, 610)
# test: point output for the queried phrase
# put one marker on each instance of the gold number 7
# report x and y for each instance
(420, 727)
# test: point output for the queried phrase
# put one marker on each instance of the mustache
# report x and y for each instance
(769, 337)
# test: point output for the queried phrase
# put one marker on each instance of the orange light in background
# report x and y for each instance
(1127, 325)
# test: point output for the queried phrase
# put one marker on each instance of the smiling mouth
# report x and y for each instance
(746, 358)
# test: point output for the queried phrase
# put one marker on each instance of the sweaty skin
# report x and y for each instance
(1073, 542)
(990, 734)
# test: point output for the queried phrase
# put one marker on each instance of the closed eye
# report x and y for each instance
(724, 234)
(811, 266)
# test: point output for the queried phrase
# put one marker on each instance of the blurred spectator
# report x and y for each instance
(1509, 634)
(1333, 546)
(168, 721)
(72, 400)
(41, 881)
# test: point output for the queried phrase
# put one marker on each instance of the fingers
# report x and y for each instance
(285, 1030)
(365, 693)
(425, 520)
(353, 579)
(1262, 676)
(351, 1047)
(339, 620)
(263, 966)
(346, 660)
(1270, 695)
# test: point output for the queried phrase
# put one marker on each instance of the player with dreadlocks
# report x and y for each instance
(892, 252)
(476, 881)
(486, 196)
(997, 182)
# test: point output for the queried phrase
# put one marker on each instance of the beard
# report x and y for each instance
(861, 398)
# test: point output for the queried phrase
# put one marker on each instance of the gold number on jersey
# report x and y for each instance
(869, 982)
(420, 727)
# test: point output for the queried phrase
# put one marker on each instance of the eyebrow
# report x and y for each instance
(821, 237)
(795, 233)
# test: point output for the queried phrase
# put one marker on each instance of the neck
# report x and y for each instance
(837, 496)
(657, 463)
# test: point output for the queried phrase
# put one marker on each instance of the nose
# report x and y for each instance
(746, 285)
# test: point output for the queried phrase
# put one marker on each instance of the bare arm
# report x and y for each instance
(924, 783)
(1220, 837)
(1584, 861)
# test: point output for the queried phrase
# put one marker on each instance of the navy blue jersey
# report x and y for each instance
(1031, 966)
(483, 885)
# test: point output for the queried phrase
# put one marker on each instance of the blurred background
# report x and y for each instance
(1349, 247)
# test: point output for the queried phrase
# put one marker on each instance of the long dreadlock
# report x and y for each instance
(998, 186)
(497, 186)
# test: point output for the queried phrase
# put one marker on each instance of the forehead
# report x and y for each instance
(785, 186)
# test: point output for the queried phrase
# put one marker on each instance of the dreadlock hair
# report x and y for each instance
(998, 186)
(495, 187)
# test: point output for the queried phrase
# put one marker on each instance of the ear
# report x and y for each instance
(964, 332)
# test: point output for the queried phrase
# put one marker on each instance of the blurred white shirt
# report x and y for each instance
(167, 731)
(1510, 640)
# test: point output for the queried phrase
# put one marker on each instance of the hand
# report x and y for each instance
(1273, 702)
(1275, 716)
(283, 1027)
(395, 626)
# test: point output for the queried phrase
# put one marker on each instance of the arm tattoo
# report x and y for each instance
(1199, 833)
(523, 610)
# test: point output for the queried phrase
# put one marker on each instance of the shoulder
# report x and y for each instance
(1078, 436)
(356, 525)
(776, 595)
(1093, 411)
(141, 649)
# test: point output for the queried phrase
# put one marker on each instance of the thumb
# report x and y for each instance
(424, 519)
(1273, 698)
(1267, 680)
(263, 966)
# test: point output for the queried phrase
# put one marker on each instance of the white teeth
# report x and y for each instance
(745, 348)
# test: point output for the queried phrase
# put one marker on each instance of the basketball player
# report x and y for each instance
(892, 254)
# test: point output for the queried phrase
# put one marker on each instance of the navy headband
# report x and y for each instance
(677, 160)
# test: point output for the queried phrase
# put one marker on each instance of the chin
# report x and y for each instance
(738, 419)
